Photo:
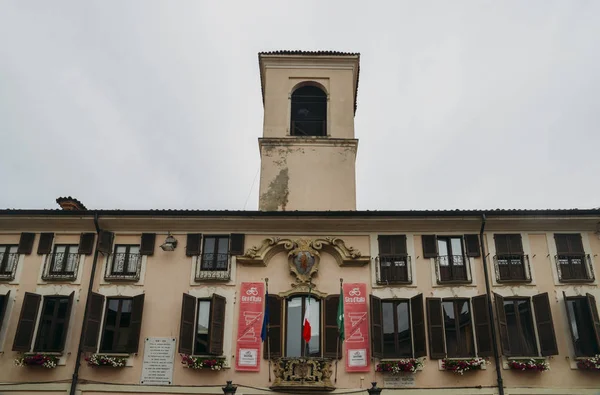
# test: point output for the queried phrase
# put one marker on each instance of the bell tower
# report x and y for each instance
(308, 149)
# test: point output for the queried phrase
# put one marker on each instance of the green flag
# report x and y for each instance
(340, 315)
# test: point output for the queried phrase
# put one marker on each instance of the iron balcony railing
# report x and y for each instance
(574, 268)
(512, 268)
(124, 267)
(309, 128)
(61, 266)
(393, 269)
(213, 267)
(452, 269)
(8, 265)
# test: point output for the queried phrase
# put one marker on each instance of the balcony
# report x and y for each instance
(213, 267)
(60, 266)
(302, 374)
(8, 265)
(124, 267)
(512, 268)
(453, 269)
(574, 268)
(393, 269)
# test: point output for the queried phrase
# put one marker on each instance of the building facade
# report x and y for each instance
(156, 294)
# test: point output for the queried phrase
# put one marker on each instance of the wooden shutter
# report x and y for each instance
(237, 244)
(86, 243)
(193, 244)
(216, 331)
(385, 247)
(188, 325)
(135, 326)
(435, 326)
(501, 242)
(67, 319)
(27, 319)
(3, 304)
(569, 323)
(45, 244)
(430, 248)
(418, 326)
(483, 329)
(26, 243)
(105, 241)
(595, 319)
(502, 325)
(562, 244)
(332, 347)
(398, 244)
(274, 340)
(147, 243)
(93, 321)
(472, 246)
(376, 327)
(545, 326)
(515, 244)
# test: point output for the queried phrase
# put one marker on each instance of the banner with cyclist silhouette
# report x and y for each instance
(356, 327)
(248, 341)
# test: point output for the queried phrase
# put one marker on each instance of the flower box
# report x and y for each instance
(106, 360)
(43, 360)
(589, 363)
(410, 365)
(460, 366)
(531, 364)
(198, 363)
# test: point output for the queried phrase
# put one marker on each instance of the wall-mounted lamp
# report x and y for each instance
(374, 390)
(229, 389)
(169, 244)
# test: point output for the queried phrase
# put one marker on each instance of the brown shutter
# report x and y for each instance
(398, 244)
(27, 319)
(93, 321)
(147, 243)
(435, 326)
(275, 337)
(472, 245)
(376, 327)
(483, 329)
(502, 325)
(332, 348)
(216, 331)
(385, 247)
(67, 319)
(3, 304)
(594, 310)
(237, 244)
(188, 324)
(26, 243)
(575, 244)
(86, 243)
(501, 242)
(562, 244)
(135, 326)
(193, 244)
(418, 326)
(45, 244)
(515, 244)
(430, 248)
(569, 322)
(105, 241)
(545, 327)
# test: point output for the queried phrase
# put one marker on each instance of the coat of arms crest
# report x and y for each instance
(303, 261)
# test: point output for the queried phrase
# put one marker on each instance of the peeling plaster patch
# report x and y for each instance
(277, 194)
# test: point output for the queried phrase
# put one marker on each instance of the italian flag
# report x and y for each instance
(306, 332)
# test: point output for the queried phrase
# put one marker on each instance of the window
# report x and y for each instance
(394, 262)
(62, 263)
(452, 265)
(397, 341)
(456, 325)
(571, 260)
(582, 314)
(116, 321)
(126, 262)
(4, 299)
(53, 323)
(8, 261)
(215, 253)
(295, 346)
(202, 327)
(510, 259)
(516, 320)
(309, 112)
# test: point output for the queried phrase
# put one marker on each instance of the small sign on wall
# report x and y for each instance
(159, 354)
(400, 380)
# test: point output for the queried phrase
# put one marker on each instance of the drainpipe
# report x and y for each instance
(490, 310)
(85, 312)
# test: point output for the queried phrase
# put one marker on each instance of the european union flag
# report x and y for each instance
(263, 333)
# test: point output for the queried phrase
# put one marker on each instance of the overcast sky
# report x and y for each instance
(157, 104)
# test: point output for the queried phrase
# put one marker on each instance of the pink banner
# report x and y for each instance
(356, 327)
(248, 343)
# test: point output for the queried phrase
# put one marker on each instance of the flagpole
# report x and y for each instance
(337, 348)
(268, 330)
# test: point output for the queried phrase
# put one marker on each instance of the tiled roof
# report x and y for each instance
(311, 53)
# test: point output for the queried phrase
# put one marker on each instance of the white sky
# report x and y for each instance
(156, 104)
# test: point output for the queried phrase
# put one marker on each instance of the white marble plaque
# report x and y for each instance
(159, 354)
(400, 380)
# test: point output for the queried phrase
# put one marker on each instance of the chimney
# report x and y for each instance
(70, 204)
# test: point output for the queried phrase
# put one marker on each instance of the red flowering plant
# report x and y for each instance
(591, 363)
(532, 364)
(106, 360)
(460, 366)
(410, 365)
(192, 362)
(45, 361)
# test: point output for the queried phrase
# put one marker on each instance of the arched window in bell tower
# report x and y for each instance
(309, 112)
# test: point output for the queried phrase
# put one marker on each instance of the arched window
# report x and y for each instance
(309, 112)
(295, 346)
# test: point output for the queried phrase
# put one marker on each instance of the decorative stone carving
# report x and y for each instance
(303, 261)
(302, 374)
